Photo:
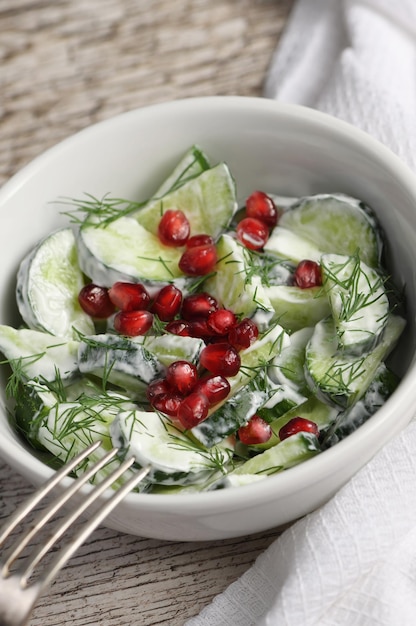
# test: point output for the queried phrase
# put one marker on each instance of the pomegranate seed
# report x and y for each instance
(167, 403)
(257, 430)
(167, 303)
(133, 323)
(182, 376)
(198, 306)
(199, 240)
(200, 330)
(94, 300)
(252, 233)
(307, 274)
(174, 228)
(179, 327)
(193, 410)
(156, 388)
(244, 334)
(262, 207)
(220, 358)
(220, 322)
(297, 425)
(215, 388)
(199, 260)
(129, 296)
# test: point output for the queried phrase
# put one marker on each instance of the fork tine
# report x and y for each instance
(45, 515)
(37, 556)
(38, 495)
(67, 551)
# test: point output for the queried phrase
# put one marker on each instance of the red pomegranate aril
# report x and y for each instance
(156, 388)
(262, 207)
(129, 296)
(244, 334)
(220, 358)
(222, 321)
(179, 327)
(252, 233)
(297, 425)
(198, 306)
(199, 329)
(167, 303)
(94, 301)
(257, 430)
(193, 410)
(307, 274)
(174, 228)
(182, 376)
(167, 403)
(199, 240)
(133, 323)
(199, 260)
(215, 387)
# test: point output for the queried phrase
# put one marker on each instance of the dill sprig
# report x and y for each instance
(99, 212)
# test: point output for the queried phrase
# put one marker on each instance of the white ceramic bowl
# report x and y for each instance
(285, 149)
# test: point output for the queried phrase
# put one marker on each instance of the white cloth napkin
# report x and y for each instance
(353, 561)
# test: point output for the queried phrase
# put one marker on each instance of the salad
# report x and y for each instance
(219, 344)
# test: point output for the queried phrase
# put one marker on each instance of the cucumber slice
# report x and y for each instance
(34, 354)
(287, 368)
(48, 283)
(287, 453)
(287, 244)
(34, 402)
(234, 285)
(343, 379)
(193, 163)
(174, 456)
(358, 299)
(124, 250)
(70, 427)
(169, 348)
(208, 201)
(120, 361)
(296, 308)
(336, 223)
(323, 414)
(380, 389)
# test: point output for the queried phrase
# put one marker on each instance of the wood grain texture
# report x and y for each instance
(63, 66)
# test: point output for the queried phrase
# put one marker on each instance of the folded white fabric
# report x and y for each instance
(352, 562)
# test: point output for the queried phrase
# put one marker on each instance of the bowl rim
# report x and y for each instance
(317, 468)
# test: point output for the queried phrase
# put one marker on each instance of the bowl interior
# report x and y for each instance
(283, 149)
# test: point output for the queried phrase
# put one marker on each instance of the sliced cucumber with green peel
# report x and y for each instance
(336, 224)
(168, 348)
(48, 283)
(120, 361)
(234, 285)
(296, 308)
(208, 201)
(287, 368)
(287, 453)
(322, 413)
(174, 456)
(124, 250)
(358, 299)
(193, 163)
(34, 354)
(343, 379)
(287, 244)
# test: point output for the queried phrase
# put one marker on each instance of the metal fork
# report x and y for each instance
(18, 596)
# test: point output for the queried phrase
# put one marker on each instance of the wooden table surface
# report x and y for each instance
(65, 64)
